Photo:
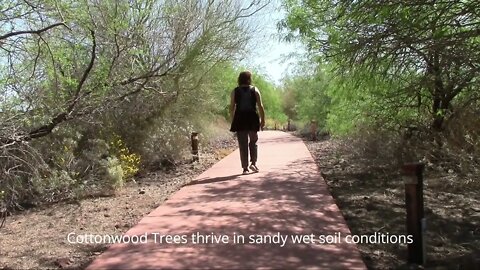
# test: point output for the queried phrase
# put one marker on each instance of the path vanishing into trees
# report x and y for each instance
(287, 197)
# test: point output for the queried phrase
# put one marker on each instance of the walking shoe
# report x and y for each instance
(245, 171)
(253, 167)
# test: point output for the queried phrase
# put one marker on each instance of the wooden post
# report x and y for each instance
(288, 125)
(416, 222)
(313, 130)
(194, 139)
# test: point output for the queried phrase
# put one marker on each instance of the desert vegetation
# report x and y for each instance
(394, 82)
(94, 92)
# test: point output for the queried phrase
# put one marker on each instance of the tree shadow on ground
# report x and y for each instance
(293, 202)
(372, 199)
(213, 180)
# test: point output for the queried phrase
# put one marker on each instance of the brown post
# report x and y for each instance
(416, 222)
(288, 125)
(313, 130)
(194, 139)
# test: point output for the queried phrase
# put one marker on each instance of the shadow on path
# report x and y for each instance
(213, 180)
(287, 198)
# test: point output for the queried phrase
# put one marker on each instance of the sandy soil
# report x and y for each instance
(37, 238)
(371, 196)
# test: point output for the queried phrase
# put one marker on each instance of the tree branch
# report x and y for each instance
(85, 73)
(63, 116)
(37, 32)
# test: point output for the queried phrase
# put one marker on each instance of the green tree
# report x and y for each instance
(223, 79)
(426, 52)
(75, 76)
(272, 101)
(305, 97)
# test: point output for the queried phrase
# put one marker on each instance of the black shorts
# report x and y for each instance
(245, 121)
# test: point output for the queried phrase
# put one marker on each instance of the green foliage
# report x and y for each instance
(224, 80)
(306, 97)
(114, 172)
(271, 99)
(108, 82)
(394, 63)
(54, 185)
(366, 100)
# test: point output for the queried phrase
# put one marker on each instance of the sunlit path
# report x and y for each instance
(286, 198)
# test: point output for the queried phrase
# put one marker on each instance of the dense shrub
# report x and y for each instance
(90, 97)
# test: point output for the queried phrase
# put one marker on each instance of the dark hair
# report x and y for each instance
(245, 78)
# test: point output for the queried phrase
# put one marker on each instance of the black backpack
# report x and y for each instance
(253, 99)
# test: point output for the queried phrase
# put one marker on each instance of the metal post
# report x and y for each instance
(194, 139)
(416, 222)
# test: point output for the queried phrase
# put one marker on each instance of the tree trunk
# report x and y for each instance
(440, 108)
(437, 124)
(437, 113)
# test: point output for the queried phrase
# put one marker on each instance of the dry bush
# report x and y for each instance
(167, 145)
(455, 152)
(373, 146)
(100, 92)
(21, 172)
(169, 142)
(64, 166)
(216, 130)
(458, 151)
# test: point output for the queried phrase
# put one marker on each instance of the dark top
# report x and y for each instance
(246, 117)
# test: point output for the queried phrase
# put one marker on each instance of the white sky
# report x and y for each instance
(269, 55)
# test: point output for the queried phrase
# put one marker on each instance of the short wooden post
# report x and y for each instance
(288, 125)
(416, 222)
(313, 130)
(194, 139)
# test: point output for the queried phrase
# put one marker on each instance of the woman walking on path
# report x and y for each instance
(246, 122)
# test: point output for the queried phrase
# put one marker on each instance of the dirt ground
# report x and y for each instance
(371, 196)
(37, 238)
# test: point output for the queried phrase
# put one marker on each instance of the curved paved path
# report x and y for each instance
(287, 197)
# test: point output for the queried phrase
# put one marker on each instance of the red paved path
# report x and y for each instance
(287, 196)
